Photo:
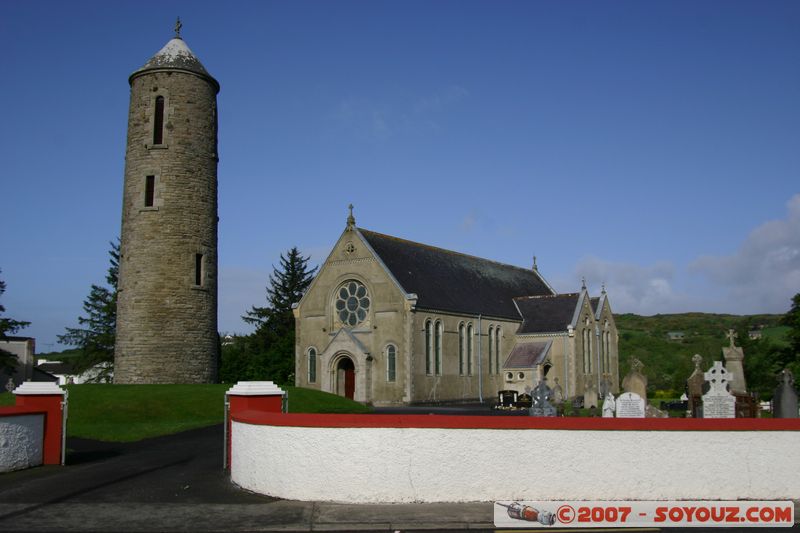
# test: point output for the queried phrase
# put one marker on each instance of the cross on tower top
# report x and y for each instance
(178, 26)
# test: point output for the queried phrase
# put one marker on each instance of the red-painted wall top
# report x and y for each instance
(516, 422)
(18, 411)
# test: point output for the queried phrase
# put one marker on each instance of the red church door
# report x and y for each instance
(347, 369)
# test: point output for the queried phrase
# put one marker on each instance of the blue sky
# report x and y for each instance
(653, 146)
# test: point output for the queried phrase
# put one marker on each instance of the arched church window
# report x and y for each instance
(312, 365)
(461, 346)
(352, 303)
(470, 338)
(391, 362)
(491, 347)
(428, 346)
(438, 347)
(497, 336)
(158, 121)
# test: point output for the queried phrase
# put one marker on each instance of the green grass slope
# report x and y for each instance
(667, 363)
(125, 413)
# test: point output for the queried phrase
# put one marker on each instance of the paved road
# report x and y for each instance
(176, 483)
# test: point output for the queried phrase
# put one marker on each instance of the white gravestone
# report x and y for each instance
(718, 402)
(630, 405)
(609, 406)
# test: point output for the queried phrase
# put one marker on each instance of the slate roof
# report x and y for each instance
(450, 281)
(175, 55)
(546, 314)
(528, 354)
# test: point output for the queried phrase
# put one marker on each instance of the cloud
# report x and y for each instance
(760, 277)
(764, 273)
(441, 100)
(632, 288)
(381, 119)
(363, 118)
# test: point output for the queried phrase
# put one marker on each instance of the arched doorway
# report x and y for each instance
(346, 378)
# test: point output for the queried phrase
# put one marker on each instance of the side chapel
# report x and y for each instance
(388, 321)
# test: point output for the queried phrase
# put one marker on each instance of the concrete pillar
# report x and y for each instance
(260, 396)
(47, 397)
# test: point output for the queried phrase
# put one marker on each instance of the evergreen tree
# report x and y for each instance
(8, 326)
(95, 339)
(271, 348)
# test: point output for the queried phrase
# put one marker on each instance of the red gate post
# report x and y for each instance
(261, 396)
(48, 397)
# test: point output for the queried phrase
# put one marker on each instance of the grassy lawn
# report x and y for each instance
(125, 413)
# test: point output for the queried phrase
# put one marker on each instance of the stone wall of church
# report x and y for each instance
(318, 324)
(166, 320)
(456, 381)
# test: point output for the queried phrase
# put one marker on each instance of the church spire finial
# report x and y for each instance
(351, 220)
(535, 267)
(603, 290)
(178, 26)
(583, 282)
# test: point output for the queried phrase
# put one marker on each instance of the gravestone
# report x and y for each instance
(609, 406)
(541, 400)
(784, 402)
(718, 402)
(630, 405)
(694, 389)
(635, 381)
(558, 394)
(734, 355)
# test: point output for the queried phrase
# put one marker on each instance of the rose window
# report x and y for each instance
(352, 303)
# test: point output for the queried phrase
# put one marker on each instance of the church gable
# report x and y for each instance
(548, 314)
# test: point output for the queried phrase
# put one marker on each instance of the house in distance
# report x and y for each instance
(389, 322)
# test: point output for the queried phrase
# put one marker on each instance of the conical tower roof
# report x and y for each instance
(175, 55)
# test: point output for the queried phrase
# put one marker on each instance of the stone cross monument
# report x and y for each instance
(718, 402)
(167, 299)
(734, 355)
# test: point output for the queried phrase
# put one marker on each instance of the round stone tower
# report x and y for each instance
(167, 299)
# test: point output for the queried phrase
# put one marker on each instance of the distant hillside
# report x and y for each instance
(667, 363)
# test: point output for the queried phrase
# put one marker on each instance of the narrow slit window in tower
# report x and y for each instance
(198, 269)
(149, 191)
(158, 121)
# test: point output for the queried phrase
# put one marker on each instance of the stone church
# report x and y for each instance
(389, 321)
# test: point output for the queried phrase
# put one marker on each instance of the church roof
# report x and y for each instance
(450, 281)
(176, 55)
(528, 354)
(546, 314)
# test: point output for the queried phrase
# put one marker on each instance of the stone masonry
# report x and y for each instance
(167, 302)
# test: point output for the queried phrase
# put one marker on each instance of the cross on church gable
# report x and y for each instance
(718, 378)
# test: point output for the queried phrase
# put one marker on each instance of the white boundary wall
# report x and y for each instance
(21, 440)
(374, 465)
